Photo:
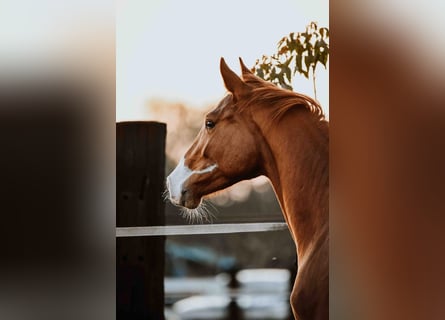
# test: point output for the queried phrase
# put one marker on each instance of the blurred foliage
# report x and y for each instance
(298, 52)
(183, 124)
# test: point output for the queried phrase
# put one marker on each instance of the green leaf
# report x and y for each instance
(273, 73)
(318, 51)
(288, 61)
(308, 48)
(265, 67)
(300, 48)
(324, 58)
(308, 60)
(260, 73)
(290, 44)
(283, 50)
(298, 65)
(286, 86)
(287, 72)
(281, 41)
(324, 32)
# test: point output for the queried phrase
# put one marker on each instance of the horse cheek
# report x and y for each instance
(243, 154)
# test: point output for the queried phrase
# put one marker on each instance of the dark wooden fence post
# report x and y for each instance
(140, 182)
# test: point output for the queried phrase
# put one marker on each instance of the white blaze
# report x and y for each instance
(179, 176)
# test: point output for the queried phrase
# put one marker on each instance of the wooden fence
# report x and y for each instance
(140, 148)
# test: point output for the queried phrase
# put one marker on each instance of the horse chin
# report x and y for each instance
(190, 199)
(196, 211)
(192, 203)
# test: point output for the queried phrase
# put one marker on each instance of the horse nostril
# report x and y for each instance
(183, 192)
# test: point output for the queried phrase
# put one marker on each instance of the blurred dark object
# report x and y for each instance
(45, 148)
(388, 162)
(140, 184)
(234, 312)
(51, 235)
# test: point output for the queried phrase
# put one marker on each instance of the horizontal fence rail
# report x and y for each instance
(199, 229)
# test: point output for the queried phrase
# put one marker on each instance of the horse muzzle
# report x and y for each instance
(180, 186)
(180, 196)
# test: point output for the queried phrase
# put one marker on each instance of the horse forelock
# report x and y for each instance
(222, 105)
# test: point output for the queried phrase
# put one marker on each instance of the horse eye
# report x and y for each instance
(210, 124)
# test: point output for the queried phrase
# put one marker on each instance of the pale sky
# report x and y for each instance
(170, 49)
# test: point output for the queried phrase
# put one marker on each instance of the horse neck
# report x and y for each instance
(296, 162)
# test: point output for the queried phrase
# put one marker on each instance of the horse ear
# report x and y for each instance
(244, 69)
(232, 82)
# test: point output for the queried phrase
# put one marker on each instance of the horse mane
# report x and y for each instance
(269, 94)
(282, 100)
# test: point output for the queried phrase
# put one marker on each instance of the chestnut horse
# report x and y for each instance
(260, 129)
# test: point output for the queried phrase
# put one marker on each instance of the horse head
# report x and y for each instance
(225, 151)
